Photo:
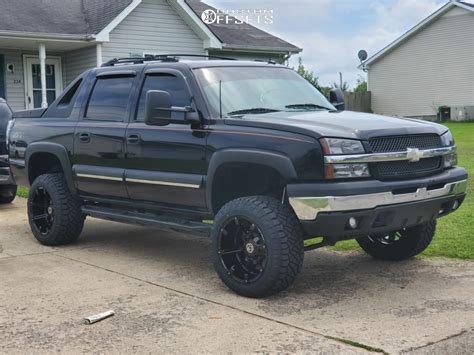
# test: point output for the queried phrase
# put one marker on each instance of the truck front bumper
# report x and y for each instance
(357, 208)
(6, 177)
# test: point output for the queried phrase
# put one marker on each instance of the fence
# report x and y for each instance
(358, 101)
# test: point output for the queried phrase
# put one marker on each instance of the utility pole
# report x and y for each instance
(340, 80)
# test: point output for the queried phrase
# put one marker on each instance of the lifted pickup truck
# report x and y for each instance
(252, 146)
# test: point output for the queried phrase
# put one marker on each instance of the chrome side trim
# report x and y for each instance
(393, 156)
(307, 208)
(99, 177)
(163, 183)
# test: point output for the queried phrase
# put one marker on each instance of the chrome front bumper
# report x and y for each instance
(308, 208)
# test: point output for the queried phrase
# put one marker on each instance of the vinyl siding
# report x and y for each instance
(15, 82)
(433, 68)
(78, 61)
(153, 27)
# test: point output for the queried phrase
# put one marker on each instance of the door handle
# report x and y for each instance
(133, 139)
(84, 137)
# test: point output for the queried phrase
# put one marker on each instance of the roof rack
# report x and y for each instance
(158, 58)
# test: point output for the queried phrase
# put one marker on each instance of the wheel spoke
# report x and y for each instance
(40, 217)
(222, 252)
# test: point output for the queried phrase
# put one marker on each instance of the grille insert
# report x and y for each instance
(401, 143)
(405, 169)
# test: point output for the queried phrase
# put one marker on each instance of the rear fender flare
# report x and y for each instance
(59, 152)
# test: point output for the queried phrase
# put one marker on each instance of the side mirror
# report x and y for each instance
(336, 98)
(158, 108)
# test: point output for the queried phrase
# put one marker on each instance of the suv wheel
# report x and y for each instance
(7, 193)
(399, 245)
(54, 213)
(257, 245)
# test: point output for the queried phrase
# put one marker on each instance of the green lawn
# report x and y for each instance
(455, 233)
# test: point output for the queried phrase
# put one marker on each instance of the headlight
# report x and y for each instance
(450, 160)
(447, 139)
(334, 146)
(337, 146)
(346, 171)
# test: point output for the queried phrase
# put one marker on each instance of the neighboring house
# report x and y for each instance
(430, 66)
(45, 44)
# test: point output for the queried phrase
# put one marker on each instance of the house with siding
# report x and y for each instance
(429, 67)
(45, 44)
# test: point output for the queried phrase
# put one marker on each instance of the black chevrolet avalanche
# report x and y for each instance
(252, 146)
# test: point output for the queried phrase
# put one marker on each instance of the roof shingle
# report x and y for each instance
(79, 17)
(241, 35)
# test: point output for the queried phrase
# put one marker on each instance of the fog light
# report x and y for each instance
(455, 205)
(353, 223)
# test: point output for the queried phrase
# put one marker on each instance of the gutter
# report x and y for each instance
(244, 48)
(47, 36)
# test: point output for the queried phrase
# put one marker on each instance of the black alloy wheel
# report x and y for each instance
(42, 211)
(242, 249)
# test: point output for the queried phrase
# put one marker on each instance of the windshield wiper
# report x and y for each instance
(308, 106)
(255, 110)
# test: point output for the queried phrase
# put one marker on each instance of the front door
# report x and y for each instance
(54, 80)
(166, 164)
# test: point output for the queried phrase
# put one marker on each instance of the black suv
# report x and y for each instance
(7, 184)
(252, 146)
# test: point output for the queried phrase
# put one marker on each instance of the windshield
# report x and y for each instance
(258, 90)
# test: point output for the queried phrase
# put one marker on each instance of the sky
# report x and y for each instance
(331, 32)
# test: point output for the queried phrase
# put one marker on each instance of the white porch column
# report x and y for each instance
(98, 48)
(42, 58)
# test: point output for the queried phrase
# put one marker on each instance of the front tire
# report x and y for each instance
(399, 245)
(7, 193)
(257, 245)
(54, 213)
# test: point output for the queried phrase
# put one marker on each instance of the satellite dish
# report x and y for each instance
(362, 55)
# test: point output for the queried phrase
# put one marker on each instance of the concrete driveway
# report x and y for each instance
(167, 298)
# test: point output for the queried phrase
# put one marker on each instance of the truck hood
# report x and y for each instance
(345, 124)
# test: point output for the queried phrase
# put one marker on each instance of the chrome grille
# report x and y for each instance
(401, 143)
(405, 169)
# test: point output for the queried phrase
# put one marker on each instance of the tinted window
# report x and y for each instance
(166, 82)
(110, 99)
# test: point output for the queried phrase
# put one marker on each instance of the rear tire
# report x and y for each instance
(7, 193)
(54, 213)
(257, 246)
(399, 245)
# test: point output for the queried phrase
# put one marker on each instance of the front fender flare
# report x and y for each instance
(59, 152)
(281, 163)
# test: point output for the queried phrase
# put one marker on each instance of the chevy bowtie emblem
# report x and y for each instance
(414, 154)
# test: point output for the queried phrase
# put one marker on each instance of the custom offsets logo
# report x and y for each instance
(237, 17)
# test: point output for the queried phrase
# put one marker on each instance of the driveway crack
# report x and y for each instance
(333, 338)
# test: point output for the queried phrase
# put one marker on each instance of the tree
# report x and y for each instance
(344, 87)
(361, 84)
(308, 75)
